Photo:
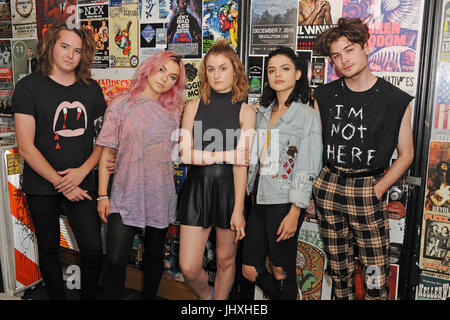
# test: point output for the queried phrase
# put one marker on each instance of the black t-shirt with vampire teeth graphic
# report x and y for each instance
(360, 129)
(65, 128)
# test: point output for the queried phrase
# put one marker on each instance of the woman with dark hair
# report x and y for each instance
(217, 132)
(137, 135)
(285, 159)
(439, 189)
(55, 111)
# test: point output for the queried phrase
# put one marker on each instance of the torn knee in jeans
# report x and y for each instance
(279, 273)
(249, 272)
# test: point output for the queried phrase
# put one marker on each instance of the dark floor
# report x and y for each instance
(39, 293)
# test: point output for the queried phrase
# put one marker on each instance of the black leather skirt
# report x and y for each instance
(208, 196)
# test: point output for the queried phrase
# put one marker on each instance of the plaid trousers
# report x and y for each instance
(351, 216)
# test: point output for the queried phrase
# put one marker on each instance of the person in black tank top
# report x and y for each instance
(217, 120)
(216, 136)
(364, 119)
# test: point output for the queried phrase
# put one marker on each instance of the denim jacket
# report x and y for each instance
(293, 157)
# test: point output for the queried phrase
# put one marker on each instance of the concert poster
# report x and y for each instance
(23, 13)
(94, 18)
(272, 24)
(124, 36)
(51, 12)
(184, 30)
(220, 21)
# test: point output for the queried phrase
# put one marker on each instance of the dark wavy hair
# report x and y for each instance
(45, 52)
(351, 28)
(301, 91)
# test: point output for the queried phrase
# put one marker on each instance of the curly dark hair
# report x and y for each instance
(351, 28)
(301, 90)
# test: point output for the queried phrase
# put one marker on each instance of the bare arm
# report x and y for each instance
(405, 150)
(103, 180)
(25, 126)
(248, 123)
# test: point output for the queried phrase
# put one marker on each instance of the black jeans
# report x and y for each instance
(260, 242)
(85, 223)
(119, 239)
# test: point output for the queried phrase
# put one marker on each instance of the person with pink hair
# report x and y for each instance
(137, 132)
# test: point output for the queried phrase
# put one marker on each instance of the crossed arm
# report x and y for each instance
(238, 157)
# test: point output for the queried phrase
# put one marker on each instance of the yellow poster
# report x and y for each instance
(124, 36)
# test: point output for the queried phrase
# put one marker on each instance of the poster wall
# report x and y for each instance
(51, 12)
(434, 259)
(129, 31)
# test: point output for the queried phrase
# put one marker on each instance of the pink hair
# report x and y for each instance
(172, 100)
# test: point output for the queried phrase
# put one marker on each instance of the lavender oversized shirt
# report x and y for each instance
(143, 188)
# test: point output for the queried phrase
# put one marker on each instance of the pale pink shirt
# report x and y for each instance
(143, 188)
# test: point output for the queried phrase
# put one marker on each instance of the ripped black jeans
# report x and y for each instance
(260, 241)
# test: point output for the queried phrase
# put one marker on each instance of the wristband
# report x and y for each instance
(102, 197)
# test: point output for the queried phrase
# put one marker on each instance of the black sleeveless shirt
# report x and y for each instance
(360, 129)
(216, 125)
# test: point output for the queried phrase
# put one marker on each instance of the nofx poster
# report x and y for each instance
(94, 18)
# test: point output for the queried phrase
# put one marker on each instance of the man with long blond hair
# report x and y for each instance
(54, 114)
(217, 133)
